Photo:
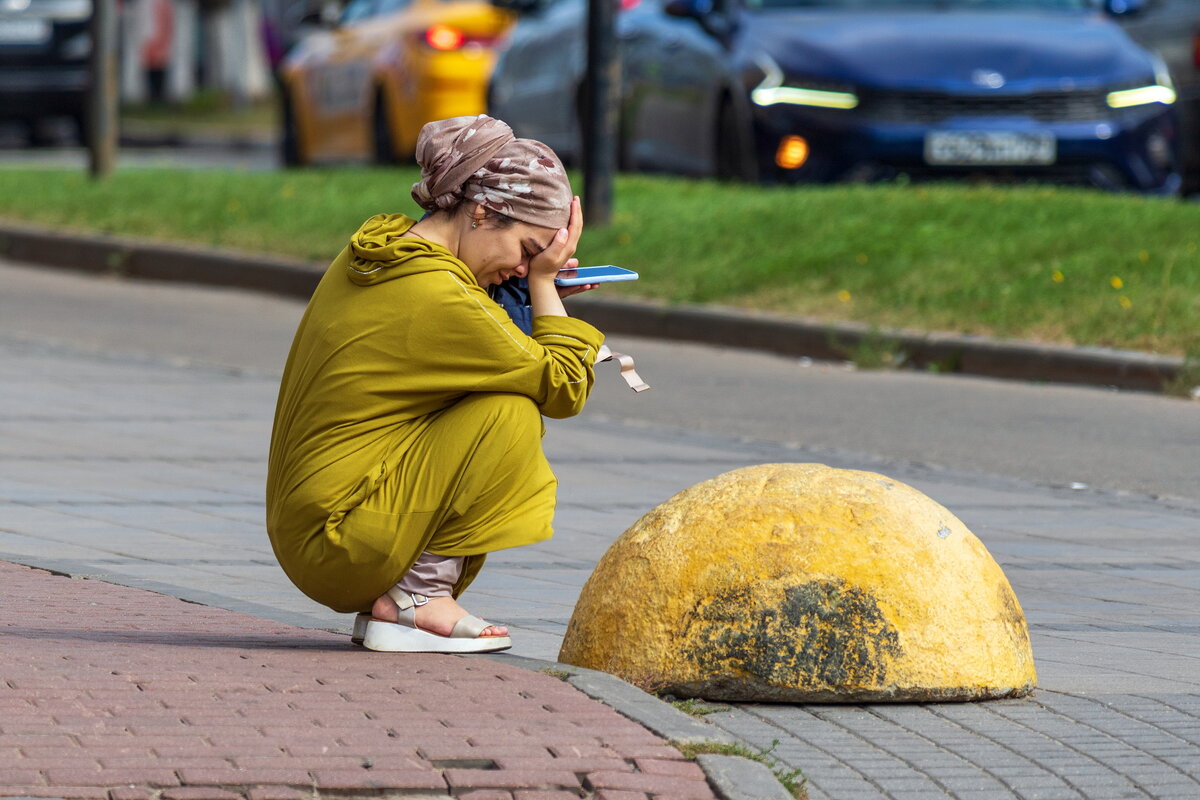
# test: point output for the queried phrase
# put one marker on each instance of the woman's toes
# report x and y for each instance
(442, 613)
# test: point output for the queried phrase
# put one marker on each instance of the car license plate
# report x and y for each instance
(989, 148)
(24, 31)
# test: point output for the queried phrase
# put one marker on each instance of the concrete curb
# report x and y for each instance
(775, 333)
(137, 258)
(642, 707)
(737, 778)
(942, 352)
(732, 777)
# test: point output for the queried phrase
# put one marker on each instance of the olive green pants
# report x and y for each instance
(473, 482)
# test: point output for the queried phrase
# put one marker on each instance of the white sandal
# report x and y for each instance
(405, 637)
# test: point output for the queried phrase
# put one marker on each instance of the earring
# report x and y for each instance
(474, 224)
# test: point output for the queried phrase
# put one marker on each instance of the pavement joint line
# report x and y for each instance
(827, 751)
(1008, 780)
(1108, 707)
(900, 757)
(1160, 701)
(771, 332)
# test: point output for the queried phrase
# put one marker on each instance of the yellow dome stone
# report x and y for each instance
(803, 583)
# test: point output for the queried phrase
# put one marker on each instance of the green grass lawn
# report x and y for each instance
(1046, 264)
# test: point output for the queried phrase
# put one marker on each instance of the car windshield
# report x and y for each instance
(938, 5)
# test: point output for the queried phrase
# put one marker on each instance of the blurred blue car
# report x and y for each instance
(824, 90)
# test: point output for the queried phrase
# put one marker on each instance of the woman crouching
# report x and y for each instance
(407, 437)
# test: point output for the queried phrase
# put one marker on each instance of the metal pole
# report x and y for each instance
(601, 85)
(102, 93)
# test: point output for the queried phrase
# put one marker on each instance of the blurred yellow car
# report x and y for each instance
(363, 86)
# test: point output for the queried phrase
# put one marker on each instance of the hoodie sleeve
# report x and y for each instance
(476, 347)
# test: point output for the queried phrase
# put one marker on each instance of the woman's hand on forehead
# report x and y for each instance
(546, 264)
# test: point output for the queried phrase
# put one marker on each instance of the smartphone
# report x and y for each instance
(606, 274)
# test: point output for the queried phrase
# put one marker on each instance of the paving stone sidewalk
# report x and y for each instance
(116, 693)
(149, 473)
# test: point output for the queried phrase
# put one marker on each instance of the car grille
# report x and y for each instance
(932, 107)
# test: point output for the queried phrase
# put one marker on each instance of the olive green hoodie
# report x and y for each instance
(397, 330)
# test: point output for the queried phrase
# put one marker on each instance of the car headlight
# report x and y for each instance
(771, 90)
(1161, 91)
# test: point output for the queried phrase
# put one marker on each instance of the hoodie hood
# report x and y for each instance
(379, 251)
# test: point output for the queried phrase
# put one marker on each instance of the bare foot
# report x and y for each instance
(437, 616)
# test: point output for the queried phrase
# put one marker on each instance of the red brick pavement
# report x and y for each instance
(112, 693)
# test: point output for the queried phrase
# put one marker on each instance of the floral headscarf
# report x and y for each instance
(479, 159)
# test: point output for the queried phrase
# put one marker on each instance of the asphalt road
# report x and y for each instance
(1053, 435)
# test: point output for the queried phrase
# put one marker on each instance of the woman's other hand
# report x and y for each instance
(568, 271)
(567, 291)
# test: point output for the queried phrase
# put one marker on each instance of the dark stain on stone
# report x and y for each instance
(822, 633)
(1011, 617)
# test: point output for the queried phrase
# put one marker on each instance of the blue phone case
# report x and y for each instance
(604, 274)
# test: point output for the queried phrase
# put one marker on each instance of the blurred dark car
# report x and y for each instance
(44, 49)
(1171, 29)
(823, 90)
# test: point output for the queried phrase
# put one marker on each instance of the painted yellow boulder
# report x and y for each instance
(803, 583)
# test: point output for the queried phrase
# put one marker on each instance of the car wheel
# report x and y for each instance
(731, 158)
(381, 134)
(289, 143)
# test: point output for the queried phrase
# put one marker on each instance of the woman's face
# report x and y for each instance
(495, 254)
